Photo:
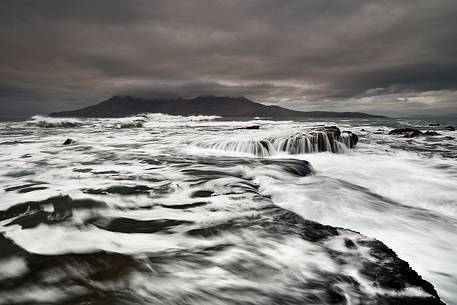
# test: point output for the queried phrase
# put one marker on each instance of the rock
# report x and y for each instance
(250, 127)
(353, 138)
(332, 129)
(450, 128)
(201, 193)
(349, 243)
(434, 124)
(431, 133)
(68, 141)
(406, 132)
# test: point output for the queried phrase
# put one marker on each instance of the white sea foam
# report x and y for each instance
(400, 191)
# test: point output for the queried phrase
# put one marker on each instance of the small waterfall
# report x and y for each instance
(262, 148)
(326, 139)
(318, 141)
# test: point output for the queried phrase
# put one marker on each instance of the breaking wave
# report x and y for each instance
(47, 122)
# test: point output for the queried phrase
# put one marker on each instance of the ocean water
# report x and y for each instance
(160, 209)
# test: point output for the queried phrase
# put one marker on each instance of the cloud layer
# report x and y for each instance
(387, 57)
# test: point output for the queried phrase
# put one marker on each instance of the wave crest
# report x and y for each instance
(48, 122)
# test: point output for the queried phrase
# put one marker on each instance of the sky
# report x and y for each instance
(394, 58)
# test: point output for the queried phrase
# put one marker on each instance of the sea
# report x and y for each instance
(160, 209)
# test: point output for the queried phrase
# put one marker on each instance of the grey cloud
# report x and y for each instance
(303, 54)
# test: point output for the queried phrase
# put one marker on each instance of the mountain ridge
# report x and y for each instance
(121, 106)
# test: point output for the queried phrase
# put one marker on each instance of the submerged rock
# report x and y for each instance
(434, 124)
(406, 132)
(450, 128)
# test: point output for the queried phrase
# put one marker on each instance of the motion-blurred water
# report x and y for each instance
(148, 193)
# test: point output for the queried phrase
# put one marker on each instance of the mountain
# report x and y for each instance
(121, 106)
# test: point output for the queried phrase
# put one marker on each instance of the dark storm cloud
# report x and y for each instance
(375, 56)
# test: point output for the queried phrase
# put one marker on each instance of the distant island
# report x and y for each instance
(122, 106)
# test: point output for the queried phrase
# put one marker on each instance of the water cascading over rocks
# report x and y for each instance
(322, 139)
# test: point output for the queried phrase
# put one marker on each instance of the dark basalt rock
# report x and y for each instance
(68, 141)
(434, 124)
(390, 272)
(330, 129)
(431, 133)
(450, 128)
(120, 190)
(353, 138)
(299, 168)
(406, 132)
(201, 193)
(250, 127)
(33, 213)
(184, 206)
(349, 244)
(128, 225)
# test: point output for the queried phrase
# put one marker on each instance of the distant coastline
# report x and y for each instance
(121, 106)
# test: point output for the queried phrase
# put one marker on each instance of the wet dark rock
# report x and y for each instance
(120, 190)
(82, 269)
(353, 138)
(307, 229)
(250, 127)
(390, 272)
(431, 133)
(184, 206)
(330, 129)
(128, 225)
(68, 141)
(450, 128)
(406, 132)
(201, 193)
(449, 138)
(318, 139)
(349, 243)
(217, 229)
(61, 205)
(40, 217)
(25, 188)
(8, 248)
(108, 172)
(31, 189)
(264, 144)
(19, 173)
(299, 168)
(82, 170)
(434, 124)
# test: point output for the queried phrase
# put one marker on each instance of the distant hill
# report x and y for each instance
(121, 106)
